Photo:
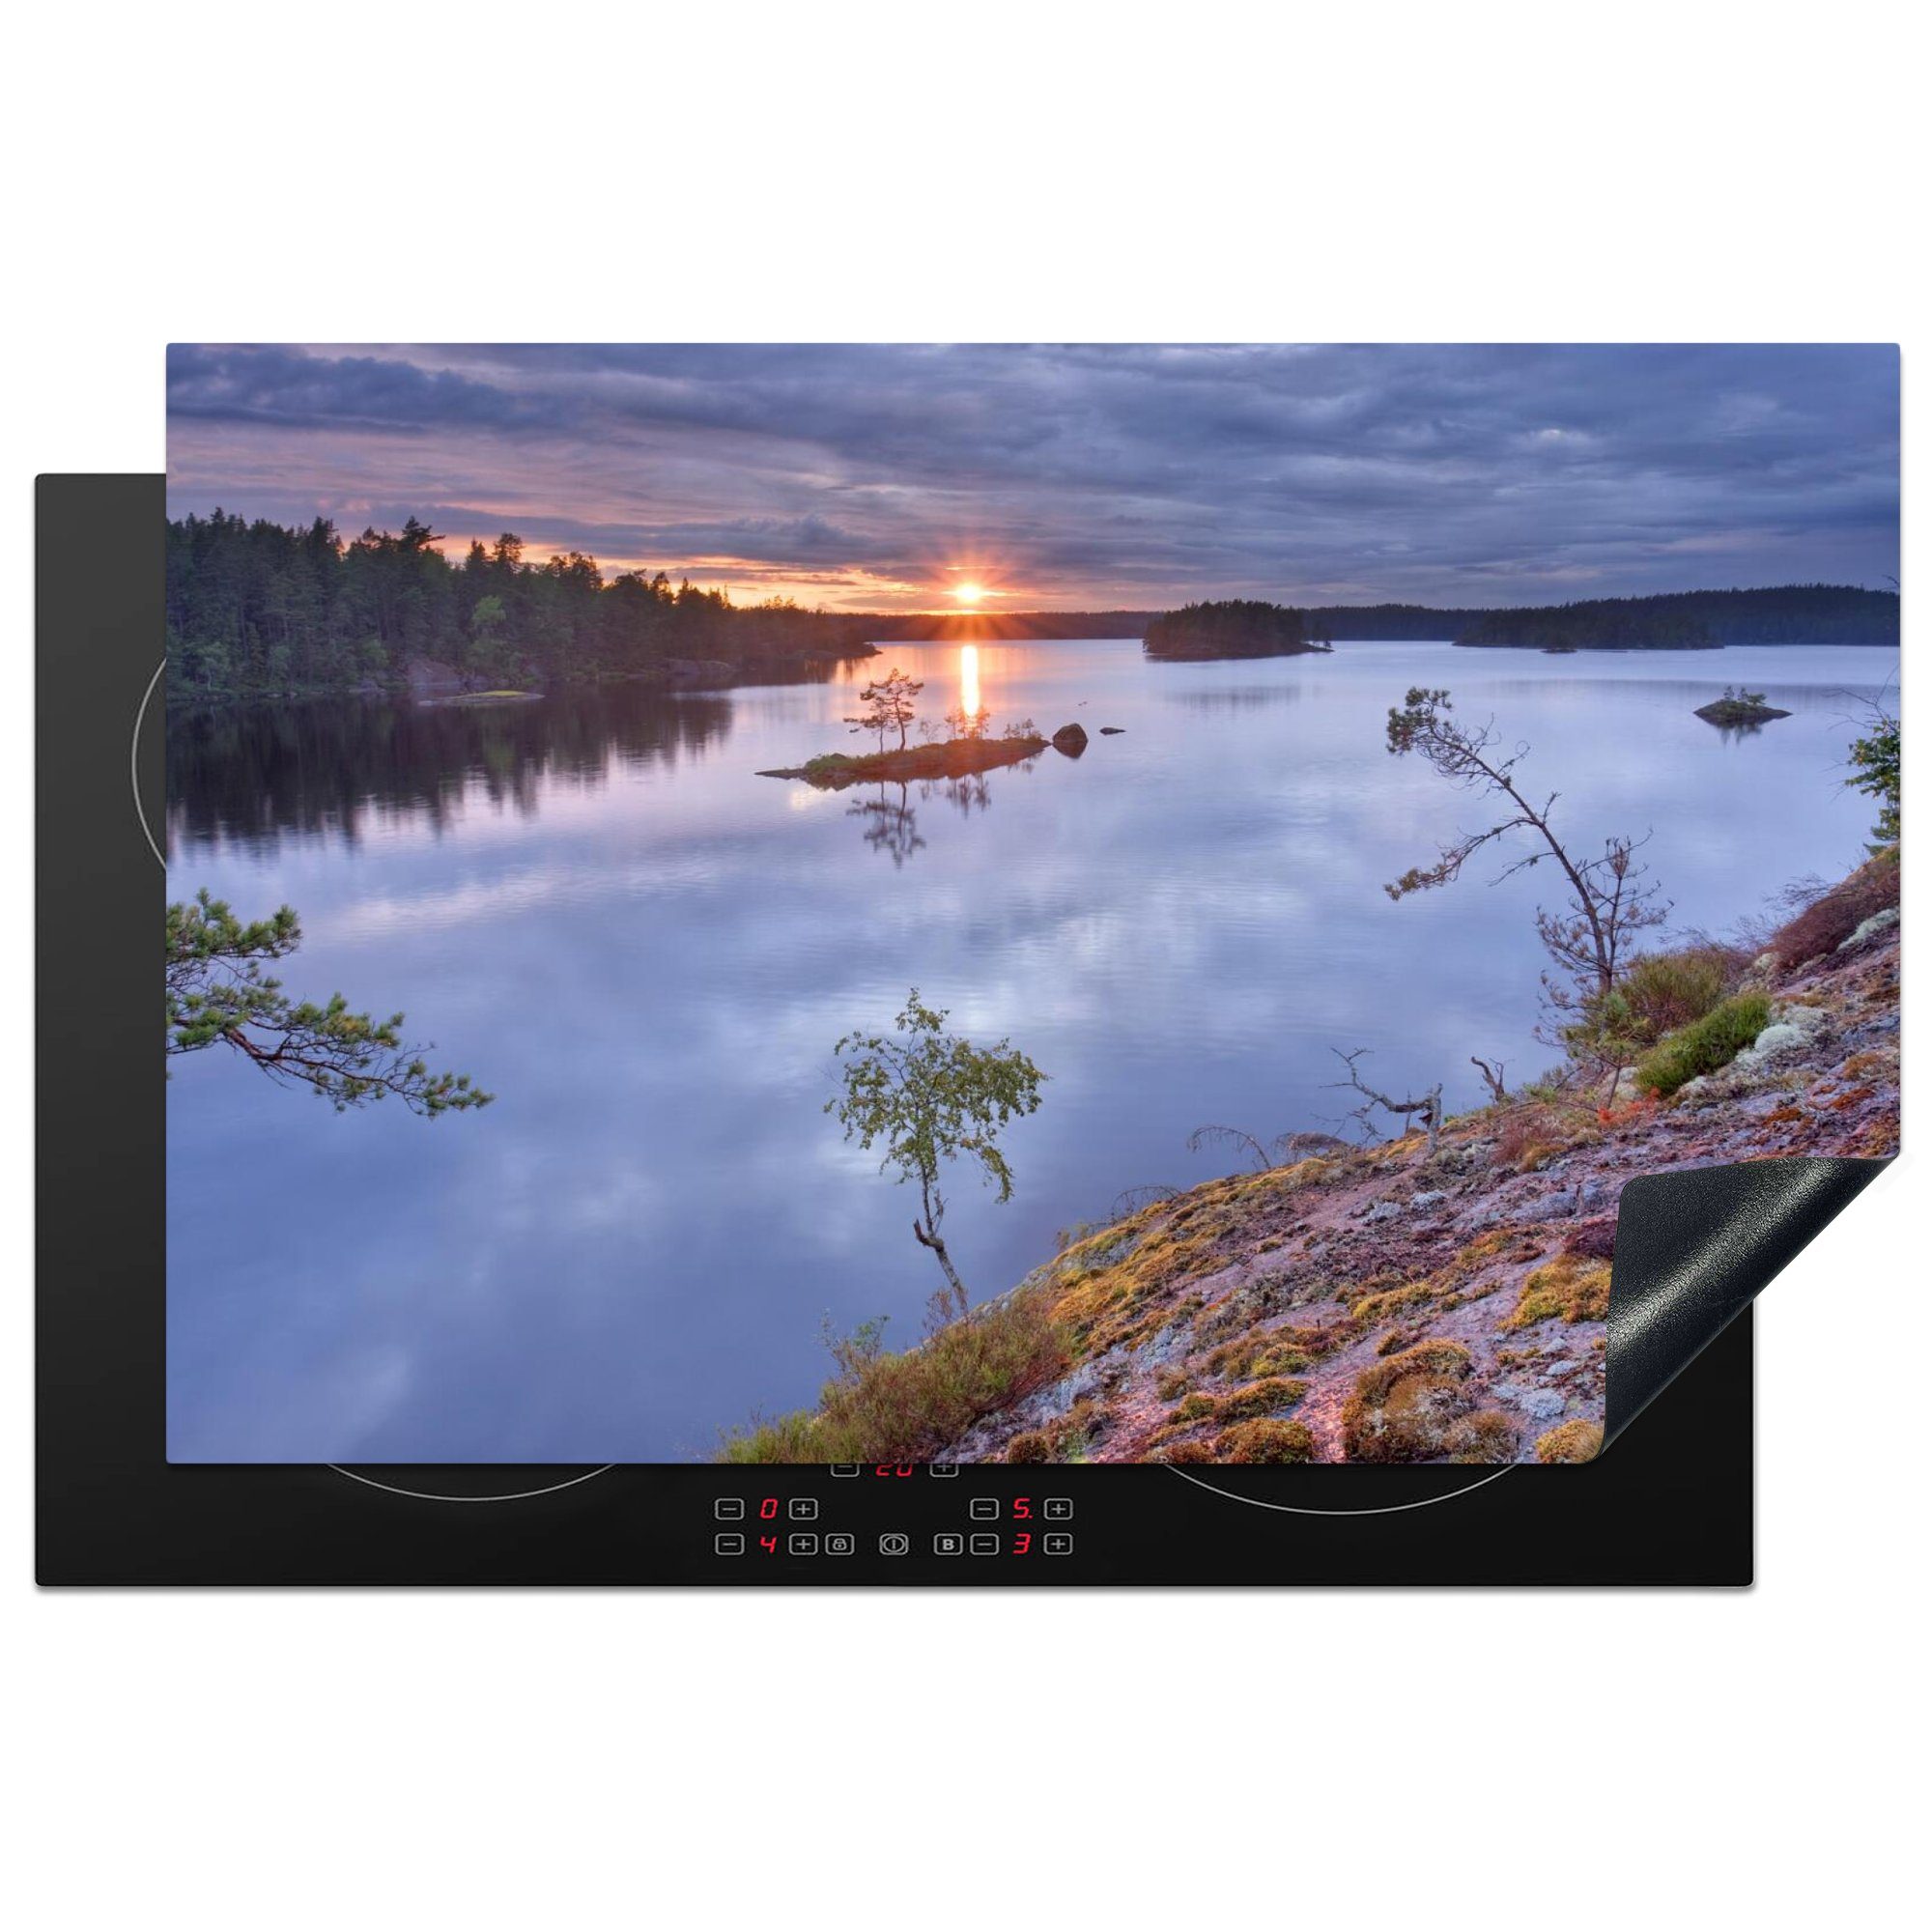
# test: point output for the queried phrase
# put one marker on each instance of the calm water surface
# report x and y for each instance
(595, 906)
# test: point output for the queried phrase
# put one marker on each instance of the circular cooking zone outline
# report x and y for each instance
(368, 1481)
(1302, 1509)
(509, 1496)
(571, 1482)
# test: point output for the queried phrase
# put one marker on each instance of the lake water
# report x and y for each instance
(595, 906)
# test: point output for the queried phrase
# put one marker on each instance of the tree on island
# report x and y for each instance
(888, 704)
(1739, 709)
(217, 992)
(928, 1096)
(965, 723)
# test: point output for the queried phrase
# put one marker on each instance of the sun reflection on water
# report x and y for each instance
(969, 678)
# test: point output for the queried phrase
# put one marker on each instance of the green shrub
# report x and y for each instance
(1705, 1045)
(1265, 1441)
(1661, 993)
(1030, 1445)
(882, 1408)
(1875, 772)
(1183, 1452)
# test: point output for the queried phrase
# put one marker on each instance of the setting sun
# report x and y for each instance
(969, 593)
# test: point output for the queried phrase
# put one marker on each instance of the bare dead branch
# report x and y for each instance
(1493, 1077)
(1429, 1107)
(1200, 1138)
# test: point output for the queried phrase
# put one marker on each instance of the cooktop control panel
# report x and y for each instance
(916, 1519)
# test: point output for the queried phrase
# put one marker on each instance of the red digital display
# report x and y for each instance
(1022, 1539)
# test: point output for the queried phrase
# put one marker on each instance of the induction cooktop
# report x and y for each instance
(1669, 1501)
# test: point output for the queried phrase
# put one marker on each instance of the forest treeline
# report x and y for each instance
(258, 609)
(1795, 614)
(255, 607)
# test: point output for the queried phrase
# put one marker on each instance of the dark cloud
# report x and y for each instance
(1083, 474)
(283, 387)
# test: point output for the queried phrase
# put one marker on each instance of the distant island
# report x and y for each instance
(1696, 620)
(1236, 629)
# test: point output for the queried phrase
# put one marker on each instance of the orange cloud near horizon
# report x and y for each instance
(750, 581)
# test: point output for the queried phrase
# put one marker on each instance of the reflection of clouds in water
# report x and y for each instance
(638, 1241)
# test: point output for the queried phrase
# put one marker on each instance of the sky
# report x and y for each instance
(918, 478)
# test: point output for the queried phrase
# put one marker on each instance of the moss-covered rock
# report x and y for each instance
(1265, 1439)
(1403, 1409)
(1577, 1441)
(1573, 1288)
(1268, 1397)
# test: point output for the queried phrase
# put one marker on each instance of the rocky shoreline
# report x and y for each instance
(1410, 1303)
(1480, 1272)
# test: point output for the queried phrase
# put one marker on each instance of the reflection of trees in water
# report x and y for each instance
(892, 822)
(968, 794)
(891, 825)
(256, 771)
(1235, 697)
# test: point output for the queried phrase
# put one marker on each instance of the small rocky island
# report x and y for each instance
(963, 756)
(1237, 628)
(960, 758)
(890, 704)
(1738, 710)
